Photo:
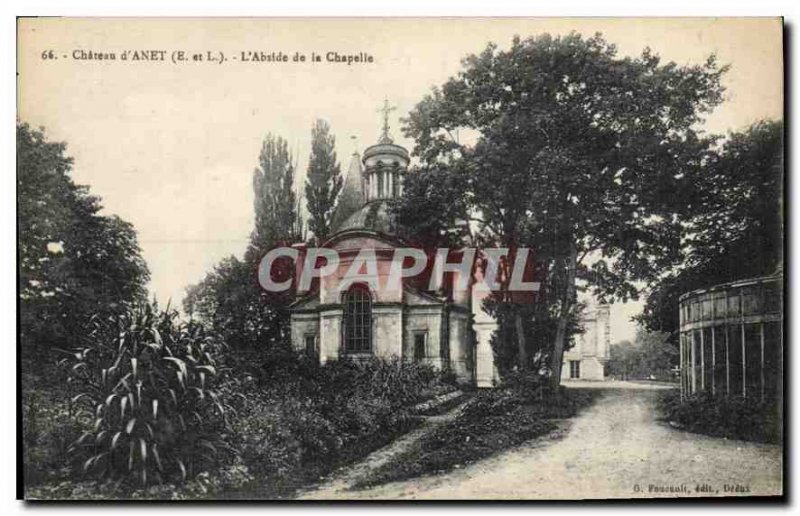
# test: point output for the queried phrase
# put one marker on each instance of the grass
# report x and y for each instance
(492, 422)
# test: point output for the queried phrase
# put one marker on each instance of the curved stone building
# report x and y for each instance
(731, 339)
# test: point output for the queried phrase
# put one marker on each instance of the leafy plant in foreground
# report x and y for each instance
(148, 382)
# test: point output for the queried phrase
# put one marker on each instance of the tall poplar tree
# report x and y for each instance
(229, 298)
(324, 180)
(275, 202)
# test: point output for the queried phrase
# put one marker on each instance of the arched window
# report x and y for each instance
(357, 319)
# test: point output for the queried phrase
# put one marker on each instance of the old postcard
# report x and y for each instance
(400, 258)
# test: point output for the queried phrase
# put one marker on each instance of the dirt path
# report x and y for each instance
(614, 449)
(341, 480)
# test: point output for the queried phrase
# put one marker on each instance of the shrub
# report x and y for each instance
(490, 403)
(49, 426)
(732, 417)
(320, 415)
(148, 383)
(205, 484)
(396, 381)
(163, 417)
(528, 384)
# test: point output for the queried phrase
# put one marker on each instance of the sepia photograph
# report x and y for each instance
(372, 259)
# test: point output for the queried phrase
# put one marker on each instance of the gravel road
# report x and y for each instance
(614, 449)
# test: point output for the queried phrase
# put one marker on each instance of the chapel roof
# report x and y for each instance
(374, 216)
(351, 198)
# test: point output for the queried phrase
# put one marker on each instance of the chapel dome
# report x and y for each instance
(371, 182)
(386, 151)
(374, 216)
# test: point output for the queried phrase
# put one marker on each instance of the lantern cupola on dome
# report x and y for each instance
(385, 164)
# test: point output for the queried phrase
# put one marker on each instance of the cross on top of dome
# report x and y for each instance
(386, 109)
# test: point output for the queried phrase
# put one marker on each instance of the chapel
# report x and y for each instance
(446, 328)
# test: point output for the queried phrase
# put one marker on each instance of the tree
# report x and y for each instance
(73, 263)
(649, 356)
(734, 229)
(624, 359)
(323, 182)
(276, 216)
(229, 299)
(582, 155)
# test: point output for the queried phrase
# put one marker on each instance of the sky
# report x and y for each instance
(171, 147)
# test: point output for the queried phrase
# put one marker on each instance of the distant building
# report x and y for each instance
(588, 358)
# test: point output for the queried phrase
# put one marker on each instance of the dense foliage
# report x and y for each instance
(148, 384)
(582, 155)
(735, 228)
(316, 416)
(749, 419)
(230, 302)
(49, 427)
(73, 262)
(153, 410)
(650, 356)
(539, 328)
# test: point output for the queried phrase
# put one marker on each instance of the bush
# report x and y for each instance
(490, 403)
(319, 416)
(527, 383)
(155, 413)
(49, 427)
(148, 384)
(204, 485)
(735, 417)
